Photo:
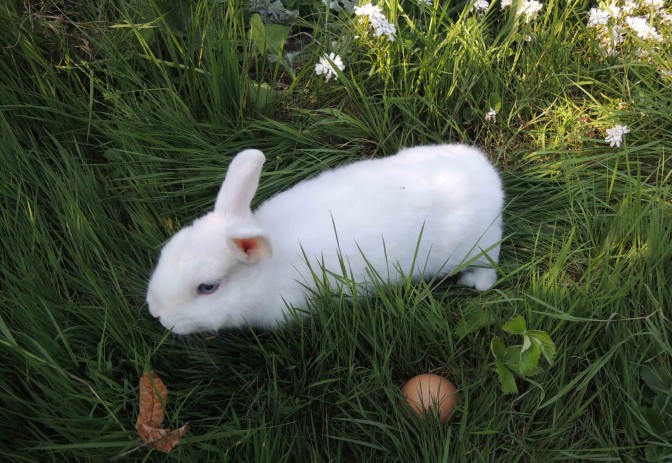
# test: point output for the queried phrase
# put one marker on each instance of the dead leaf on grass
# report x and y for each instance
(153, 398)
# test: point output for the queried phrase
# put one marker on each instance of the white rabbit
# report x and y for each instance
(434, 208)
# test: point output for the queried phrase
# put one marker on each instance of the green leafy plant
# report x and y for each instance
(521, 359)
(267, 38)
(657, 413)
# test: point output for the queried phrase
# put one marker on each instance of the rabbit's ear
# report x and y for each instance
(240, 184)
(249, 243)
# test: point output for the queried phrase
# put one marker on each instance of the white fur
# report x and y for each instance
(376, 208)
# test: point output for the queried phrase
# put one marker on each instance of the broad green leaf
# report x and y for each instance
(663, 404)
(258, 34)
(506, 378)
(529, 359)
(512, 357)
(494, 102)
(516, 325)
(497, 347)
(474, 322)
(653, 452)
(260, 95)
(526, 343)
(469, 115)
(267, 38)
(534, 372)
(543, 340)
(653, 419)
(656, 377)
(276, 37)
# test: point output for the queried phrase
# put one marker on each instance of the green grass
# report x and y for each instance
(117, 122)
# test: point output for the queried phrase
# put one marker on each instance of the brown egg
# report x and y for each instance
(429, 394)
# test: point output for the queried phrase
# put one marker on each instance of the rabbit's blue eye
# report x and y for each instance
(208, 287)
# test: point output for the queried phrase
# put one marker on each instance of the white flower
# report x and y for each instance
(608, 50)
(629, 6)
(325, 66)
(642, 28)
(480, 6)
(377, 20)
(613, 10)
(666, 73)
(611, 38)
(598, 17)
(427, 2)
(491, 115)
(367, 10)
(385, 28)
(615, 135)
(665, 17)
(642, 54)
(531, 9)
(617, 35)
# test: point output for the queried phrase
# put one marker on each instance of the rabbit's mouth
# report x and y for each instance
(176, 325)
(183, 328)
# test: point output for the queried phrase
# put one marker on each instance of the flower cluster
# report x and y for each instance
(324, 66)
(377, 20)
(480, 6)
(642, 28)
(615, 135)
(610, 23)
(528, 8)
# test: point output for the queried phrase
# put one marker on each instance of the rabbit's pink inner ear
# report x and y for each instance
(246, 245)
(253, 249)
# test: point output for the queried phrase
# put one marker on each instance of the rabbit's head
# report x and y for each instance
(199, 281)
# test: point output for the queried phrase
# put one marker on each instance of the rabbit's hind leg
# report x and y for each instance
(480, 278)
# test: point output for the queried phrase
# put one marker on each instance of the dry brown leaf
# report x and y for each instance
(153, 397)
(162, 439)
